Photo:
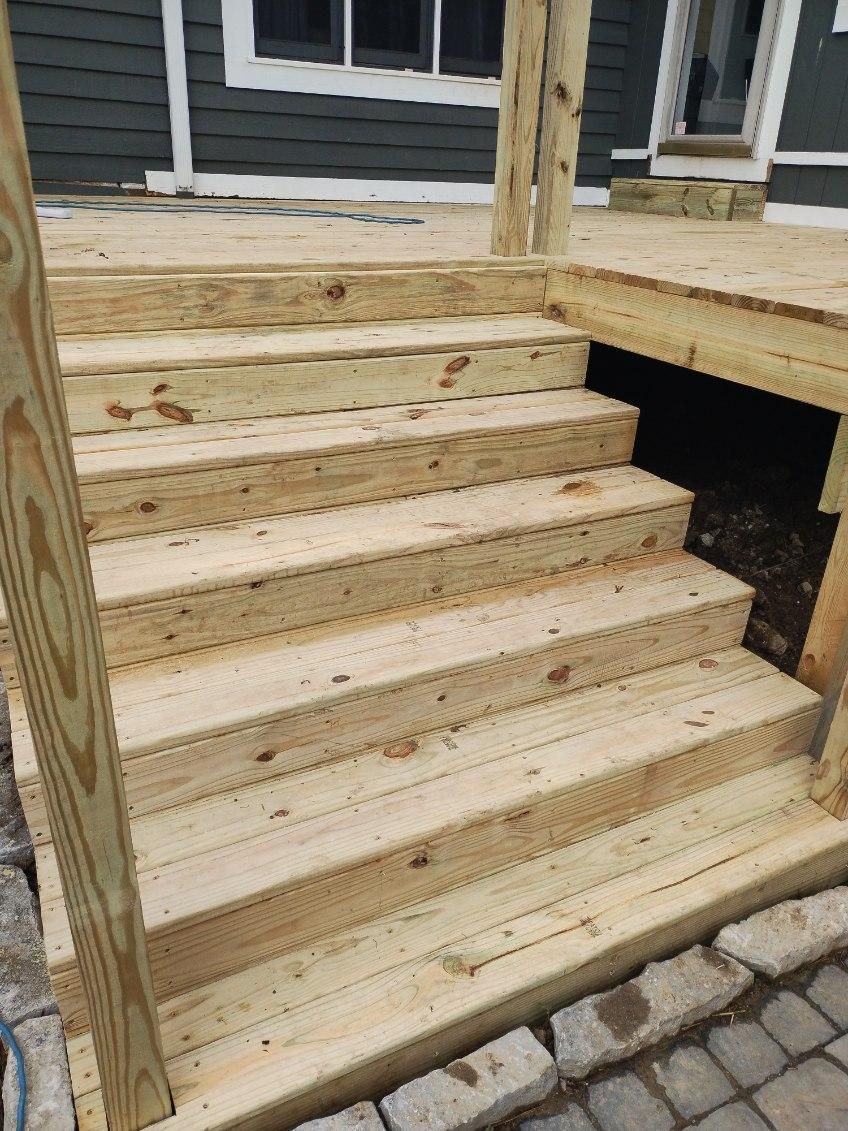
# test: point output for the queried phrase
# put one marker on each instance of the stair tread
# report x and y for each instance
(151, 567)
(502, 766)
(140, 452)
(194, 349)
(355, 1013)
(161, 704)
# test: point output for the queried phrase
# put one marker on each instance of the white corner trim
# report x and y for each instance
(175, 70)
(840, 19)
(800, 157)
(630, 154)
(332, 188)
(811, 215)
(756, 167)
(243, 68)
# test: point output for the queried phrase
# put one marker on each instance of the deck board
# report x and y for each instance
(795, 271)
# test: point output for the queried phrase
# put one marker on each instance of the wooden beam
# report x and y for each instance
(794, 357)
(568, 44)
(835, 491)
(523, 52)
(47, 583)
(830, 617)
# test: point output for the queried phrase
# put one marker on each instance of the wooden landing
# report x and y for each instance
(765, 305)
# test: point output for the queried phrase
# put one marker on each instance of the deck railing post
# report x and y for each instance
(565, 76)
(521, 84)
(46, 578)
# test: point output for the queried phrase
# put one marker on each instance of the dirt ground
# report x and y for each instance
(756, 463)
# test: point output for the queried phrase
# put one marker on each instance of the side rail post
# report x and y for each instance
(46, 578)
(521, 84)
(565, 77)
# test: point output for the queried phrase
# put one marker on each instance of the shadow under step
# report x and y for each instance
(118, 383)
(359, 1011)
(176, 479)
(223, 718)
(159, 595)
(509, 787)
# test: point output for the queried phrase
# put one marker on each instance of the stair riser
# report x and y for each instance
(178, 625)
(215, 765)
(196, 953)
(180, 499)
(120, 401)
(126, 304)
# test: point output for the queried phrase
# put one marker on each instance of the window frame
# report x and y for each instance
(718, 145)
(245, 69)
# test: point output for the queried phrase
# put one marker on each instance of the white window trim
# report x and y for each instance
(243, 68)
(757, 166)
(840, 19)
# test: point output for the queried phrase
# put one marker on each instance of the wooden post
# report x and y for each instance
(830, 617)
(46, 578)
(568, 44)
(521, 83)
(834, 497)
(830, 789)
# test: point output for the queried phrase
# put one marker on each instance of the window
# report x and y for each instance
(723, 53)
(416, 50)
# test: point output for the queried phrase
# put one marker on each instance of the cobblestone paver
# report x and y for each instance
(775, 1059)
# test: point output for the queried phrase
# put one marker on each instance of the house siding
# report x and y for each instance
(93, 89)
(815, 115)
(274, 133)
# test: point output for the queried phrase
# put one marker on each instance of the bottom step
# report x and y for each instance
(355, 1014)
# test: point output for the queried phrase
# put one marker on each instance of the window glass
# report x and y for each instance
(722, 37)
(300, 29)
(472, 35)
(393, 33)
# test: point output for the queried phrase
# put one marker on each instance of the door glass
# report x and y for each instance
(722, 39)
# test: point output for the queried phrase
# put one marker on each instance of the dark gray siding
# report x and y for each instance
(280, 134)
(639, 82)
(93, 90)
(815, 115)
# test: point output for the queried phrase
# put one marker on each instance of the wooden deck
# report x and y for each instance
(801, 272)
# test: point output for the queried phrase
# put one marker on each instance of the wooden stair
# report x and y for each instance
(428, 724)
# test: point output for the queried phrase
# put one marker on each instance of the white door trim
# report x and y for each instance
(756, 167)
(810, 215)
(175, 70)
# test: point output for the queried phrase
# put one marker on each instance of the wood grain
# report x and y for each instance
(523, 53)
(830, 617)
(697, 200)
(834, 497)
(568, 45)
(50, 599)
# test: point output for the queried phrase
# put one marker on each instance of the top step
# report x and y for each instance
(104, 304)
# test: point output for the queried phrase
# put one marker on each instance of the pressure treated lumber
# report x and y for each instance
(701, 200)
(830, 788)
(603, 908)
(521, 80)
(156, 380)
(834, 498)
(323, 875)
(159, 595)
(113, 304)
(175, 479)
(790, 356)
(50, 600)
(306, 697)
(562, 109)
(830, 619)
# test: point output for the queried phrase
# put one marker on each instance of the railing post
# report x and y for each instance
(521, 83)
(565, 76)
(46, 577)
